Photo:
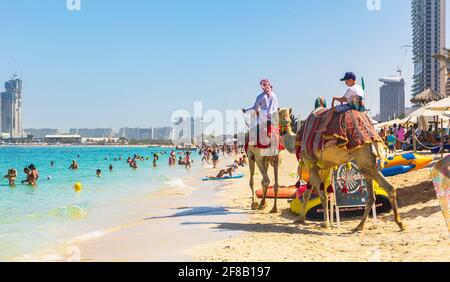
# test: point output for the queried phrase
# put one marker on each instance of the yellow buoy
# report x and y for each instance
(78, 187)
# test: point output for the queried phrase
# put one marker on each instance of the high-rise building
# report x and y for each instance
(11, 108)
(92, 132)
(40, 133)
(392, 98)
(162, 133)
(428, 23)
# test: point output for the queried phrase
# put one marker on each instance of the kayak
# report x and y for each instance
(224, 178)
(396, 170)
(283, 192)
(415, 160)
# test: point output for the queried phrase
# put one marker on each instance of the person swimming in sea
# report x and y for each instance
(11, 176)
(52, 163)
(74, 165)
(27, 172)
(99, 172)
(111, 167)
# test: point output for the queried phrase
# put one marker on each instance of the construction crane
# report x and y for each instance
(400, 67)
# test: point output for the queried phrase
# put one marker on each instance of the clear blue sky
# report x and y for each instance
(131, 63)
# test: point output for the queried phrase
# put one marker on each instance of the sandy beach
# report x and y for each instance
(274, 237)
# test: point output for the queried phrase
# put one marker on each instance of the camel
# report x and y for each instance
(255, 157)
(332, 156)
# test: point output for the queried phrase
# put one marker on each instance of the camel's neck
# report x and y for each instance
(289, 140)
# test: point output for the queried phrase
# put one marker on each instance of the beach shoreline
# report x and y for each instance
(153, 233)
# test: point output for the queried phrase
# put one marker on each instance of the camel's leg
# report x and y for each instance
(370, 202)
(324, 201)
(276, 185)
(251, 163)
(392, 192)
(302, 217)
(316, 182)
(263, 166)
(366, 161)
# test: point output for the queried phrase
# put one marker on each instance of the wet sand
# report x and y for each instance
(169, 224)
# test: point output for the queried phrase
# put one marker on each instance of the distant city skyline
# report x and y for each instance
(113, 65)
(135, 133)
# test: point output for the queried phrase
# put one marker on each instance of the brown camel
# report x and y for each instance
(332, 156)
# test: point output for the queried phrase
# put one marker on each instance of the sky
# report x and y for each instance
(132, 63)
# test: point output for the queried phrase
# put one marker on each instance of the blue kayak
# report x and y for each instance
(224, 178)
(392, 171)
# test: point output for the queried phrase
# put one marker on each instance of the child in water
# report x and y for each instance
(99, 173)
(11, 176)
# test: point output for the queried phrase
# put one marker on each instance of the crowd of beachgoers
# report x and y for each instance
(399, 137)
(180, 157)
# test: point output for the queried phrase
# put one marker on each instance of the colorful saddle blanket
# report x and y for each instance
(351, 129)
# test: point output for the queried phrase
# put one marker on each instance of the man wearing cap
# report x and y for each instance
(354, 95)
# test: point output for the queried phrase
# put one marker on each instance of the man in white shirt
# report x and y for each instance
(266, 102)
(266, 107)
(353, 92)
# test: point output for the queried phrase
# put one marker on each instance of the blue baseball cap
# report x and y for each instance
(348, 76)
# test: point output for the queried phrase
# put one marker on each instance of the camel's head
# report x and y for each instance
(285, 115)
(284, 120)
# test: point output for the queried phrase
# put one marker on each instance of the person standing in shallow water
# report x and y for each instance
(187, 160)
(27, 172)
(155, 160)
(33, 175)
(11, 176)
(74, 165)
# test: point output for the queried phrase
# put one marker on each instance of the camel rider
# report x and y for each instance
(320, 103)
(352, 100)
(266, 104)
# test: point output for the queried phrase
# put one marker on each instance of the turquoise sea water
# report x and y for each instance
(34, 217)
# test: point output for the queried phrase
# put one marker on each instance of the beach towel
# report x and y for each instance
(351, 130)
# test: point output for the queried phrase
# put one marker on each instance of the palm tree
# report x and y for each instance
(444, 58)
(294, 122)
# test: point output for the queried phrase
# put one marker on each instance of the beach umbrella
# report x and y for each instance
(426, 97)
(440, 106)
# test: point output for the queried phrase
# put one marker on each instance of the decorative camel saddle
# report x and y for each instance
(273, 138)
(351, 129)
